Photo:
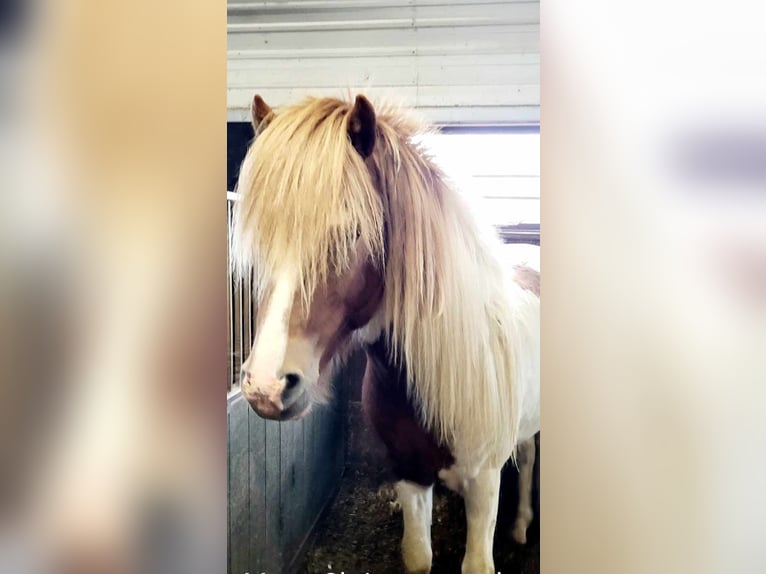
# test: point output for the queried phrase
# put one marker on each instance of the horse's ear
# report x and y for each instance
(261, 114)
(361, 126)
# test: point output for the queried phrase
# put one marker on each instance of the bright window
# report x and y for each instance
(500, 170)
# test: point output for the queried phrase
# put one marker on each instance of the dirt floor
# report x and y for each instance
(362, 530)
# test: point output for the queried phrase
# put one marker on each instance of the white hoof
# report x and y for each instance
(417, 558)
(477, 565)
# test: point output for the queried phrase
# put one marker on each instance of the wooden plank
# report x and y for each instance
(321, 451)
(257, 456)
(299, 490)
(288, 495)
(300, 6)
(339, 438)
(412, 96)
(326, 449)
(379, 15)
(305, 476)
(483, 117)
(312, 456)
(500, 38)
(372, 73)
(271, 561)
(314, 463)
(275, 66)
(239, 487)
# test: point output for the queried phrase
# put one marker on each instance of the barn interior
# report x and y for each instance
(316, 495)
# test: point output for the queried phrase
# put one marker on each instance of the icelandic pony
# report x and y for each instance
(356, 238)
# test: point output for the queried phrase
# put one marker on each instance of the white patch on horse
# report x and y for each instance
(417, 507)
(372, 331)
(265, 361)
(526, 332)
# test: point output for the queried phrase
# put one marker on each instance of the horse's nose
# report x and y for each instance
(293, 388)
(266, 401)
(277, 399)
(266, 407)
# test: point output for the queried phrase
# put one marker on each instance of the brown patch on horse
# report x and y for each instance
(528, 278)
(343, 305)
(412, 450)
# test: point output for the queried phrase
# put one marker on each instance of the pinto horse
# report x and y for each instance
(356, 238)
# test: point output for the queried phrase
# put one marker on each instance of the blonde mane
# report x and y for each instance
(306, 197)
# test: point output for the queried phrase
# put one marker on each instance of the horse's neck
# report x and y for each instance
(379, 353)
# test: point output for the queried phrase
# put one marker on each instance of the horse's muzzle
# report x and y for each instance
(293, 402)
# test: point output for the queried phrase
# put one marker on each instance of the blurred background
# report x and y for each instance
(654, 316)
(112, 294)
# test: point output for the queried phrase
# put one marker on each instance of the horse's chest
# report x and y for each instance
(413, 451)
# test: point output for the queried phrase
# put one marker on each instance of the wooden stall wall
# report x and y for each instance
(281, 477)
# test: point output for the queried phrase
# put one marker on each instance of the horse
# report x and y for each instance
(356, 238)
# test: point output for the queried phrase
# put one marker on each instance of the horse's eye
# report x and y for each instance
(358, 232)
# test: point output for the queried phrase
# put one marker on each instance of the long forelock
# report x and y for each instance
(306, 198)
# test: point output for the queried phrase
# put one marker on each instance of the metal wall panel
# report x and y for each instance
(463, 62)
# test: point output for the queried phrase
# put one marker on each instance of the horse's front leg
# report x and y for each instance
(481, 495)
(417, 507)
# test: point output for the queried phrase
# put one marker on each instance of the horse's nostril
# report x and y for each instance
(292, 381)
